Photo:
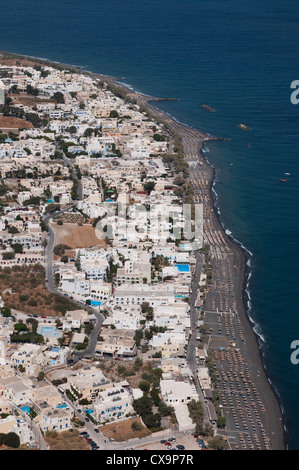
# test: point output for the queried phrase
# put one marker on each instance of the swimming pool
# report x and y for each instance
(183, 268)
(49, 332)
(26, 409)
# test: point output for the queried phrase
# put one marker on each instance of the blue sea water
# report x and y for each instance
(240, 58)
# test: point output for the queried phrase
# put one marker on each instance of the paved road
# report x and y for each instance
(194, 317)
(105, 444)
(50, 283)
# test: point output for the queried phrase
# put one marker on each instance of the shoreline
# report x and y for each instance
(250, 331)
(240, 253)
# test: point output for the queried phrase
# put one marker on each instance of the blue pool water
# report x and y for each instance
(183, 268)
(50, 332)
(26, 409)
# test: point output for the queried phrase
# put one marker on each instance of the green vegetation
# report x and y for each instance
(11, 439)
(197, 416)
(60, 249)
(217, 443)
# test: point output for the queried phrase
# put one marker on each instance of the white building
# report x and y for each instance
(51, 419)
(2, 93)
(113, 404)
(175, 392)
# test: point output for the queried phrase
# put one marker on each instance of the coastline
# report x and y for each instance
(255, 356)
(273, 419)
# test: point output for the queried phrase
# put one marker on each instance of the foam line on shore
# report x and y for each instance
(261, 341)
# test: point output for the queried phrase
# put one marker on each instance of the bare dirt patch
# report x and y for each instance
(7, 122)
(22, 98)
(23, 288)
(76, 236)
(27, 100)
(67, 440)
(122, 430)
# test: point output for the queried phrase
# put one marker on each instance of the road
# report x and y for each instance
(105, 444)
(50, 284)
(194, 317)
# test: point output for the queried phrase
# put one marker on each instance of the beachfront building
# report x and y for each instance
(169, 344)
(2, 93)
(155, 295)
(176, 392)
(185, 422)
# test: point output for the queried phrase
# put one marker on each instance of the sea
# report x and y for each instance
(239, 58)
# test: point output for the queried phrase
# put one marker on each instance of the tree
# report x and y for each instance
(17, 247)
(113, 114)
(20, 326)
(88, 132)
(135, 426)
(33, 201)
(6, 312)
(58, 97)
(8, 255)
(13, 230)
(159, 137)
(145, 386)
(138, 337)
(143, 406)
(164, 409)
(31, 91)
(12, 440)
(221, 421)
(217, 443)
(155, 395)
(149, 186)
(152, 421)
(60, 249)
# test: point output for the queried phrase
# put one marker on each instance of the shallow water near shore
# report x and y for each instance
(239, 59)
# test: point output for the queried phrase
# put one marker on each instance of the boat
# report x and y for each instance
(282, 180)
